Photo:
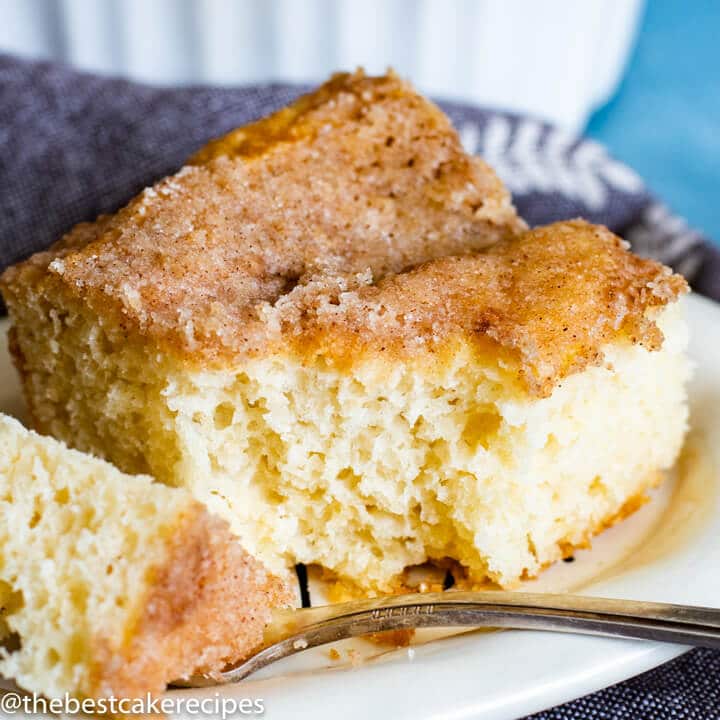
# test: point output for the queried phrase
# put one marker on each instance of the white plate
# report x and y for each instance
(668, 551)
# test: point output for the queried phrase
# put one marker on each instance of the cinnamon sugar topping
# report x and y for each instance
(361, 174)
(348, 223)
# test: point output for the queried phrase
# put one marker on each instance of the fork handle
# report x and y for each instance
(294, 631)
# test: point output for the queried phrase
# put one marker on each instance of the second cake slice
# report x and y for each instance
(114, 585)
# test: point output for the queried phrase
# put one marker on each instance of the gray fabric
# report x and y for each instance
(73, 146)
(687, 688)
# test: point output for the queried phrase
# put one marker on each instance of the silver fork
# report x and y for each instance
(293, 631)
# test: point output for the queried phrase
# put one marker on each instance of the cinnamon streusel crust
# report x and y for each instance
(206, 607)
(549, 299)
(363, 173)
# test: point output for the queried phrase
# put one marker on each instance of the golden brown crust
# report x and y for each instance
(545, 302)
(308, 230)
(363, 173)
(208, 606)
(548, 300)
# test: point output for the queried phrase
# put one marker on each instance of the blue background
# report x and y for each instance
(665, 119)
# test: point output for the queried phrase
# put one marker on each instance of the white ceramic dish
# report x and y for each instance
(668, 551)
(499, 54)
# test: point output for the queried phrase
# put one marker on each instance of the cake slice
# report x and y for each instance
(114, 584)
(333, 330)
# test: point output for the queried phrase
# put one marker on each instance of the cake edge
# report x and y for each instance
(207, 606)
